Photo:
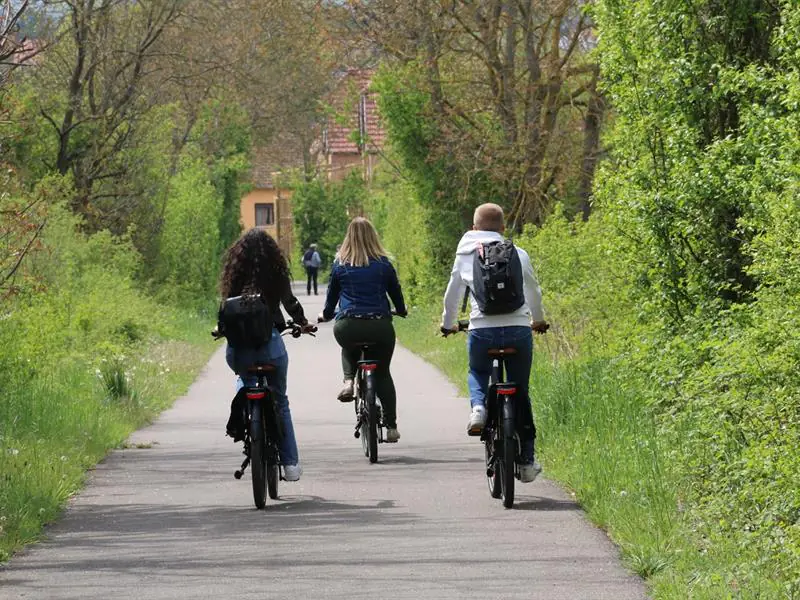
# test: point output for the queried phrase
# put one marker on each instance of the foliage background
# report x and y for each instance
(668, 393)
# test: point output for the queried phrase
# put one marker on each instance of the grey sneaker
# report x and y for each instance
(392, 435)
(530, 471)
(292, 472)
(476, 420)
(347, 394)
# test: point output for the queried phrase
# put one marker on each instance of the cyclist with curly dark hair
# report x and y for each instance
(255, 265)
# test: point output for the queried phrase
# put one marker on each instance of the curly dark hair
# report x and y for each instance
(253, 264)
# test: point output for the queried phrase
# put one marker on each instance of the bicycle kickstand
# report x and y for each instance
(238, 474)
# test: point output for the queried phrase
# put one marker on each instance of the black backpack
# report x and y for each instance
(307, 256)
(497, 278)
(246, 321)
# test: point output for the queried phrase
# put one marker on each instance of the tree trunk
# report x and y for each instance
(591, 150)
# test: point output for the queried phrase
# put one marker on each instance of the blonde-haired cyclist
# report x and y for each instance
(361, 279)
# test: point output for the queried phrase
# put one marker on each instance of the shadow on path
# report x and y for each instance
(543, 504)
(417, 460)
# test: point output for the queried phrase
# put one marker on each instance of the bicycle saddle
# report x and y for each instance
(259, 369)
(502, 351)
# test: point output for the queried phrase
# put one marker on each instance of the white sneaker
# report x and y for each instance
(292, 472)
(529, 472)
(392, 435)
(476, 420)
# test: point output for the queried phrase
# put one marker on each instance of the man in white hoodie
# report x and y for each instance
(511, 330)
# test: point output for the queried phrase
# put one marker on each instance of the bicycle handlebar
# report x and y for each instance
(291, 327)
(463, 325)
(296, 330)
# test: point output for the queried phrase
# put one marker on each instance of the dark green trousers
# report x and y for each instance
(351, 333)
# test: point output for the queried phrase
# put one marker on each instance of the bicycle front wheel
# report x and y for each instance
(509, 453)
(258, 459)
(372, 423)
(493, 467)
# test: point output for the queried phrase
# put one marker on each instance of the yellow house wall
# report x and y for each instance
(248, 208)
(281, 230)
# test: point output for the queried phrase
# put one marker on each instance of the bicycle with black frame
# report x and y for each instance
(263, 430)
(370, 424)
(501, 439)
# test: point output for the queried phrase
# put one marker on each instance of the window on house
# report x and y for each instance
(265, 214)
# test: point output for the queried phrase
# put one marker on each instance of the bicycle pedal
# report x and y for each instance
(475, 432)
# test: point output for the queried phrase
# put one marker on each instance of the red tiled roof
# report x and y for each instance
(280, 155)
(356, 111)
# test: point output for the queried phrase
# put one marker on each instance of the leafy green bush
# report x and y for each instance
(393, 207)
(700, 197)
(322, 212)
(85, 360)
(190, 251)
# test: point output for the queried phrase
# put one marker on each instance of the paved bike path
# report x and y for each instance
(170, 521)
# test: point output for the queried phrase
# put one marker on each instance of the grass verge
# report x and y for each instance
(63, 420)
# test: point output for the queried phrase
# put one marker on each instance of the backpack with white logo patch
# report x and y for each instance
(497, 278)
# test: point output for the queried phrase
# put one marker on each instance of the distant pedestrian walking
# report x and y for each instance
(312, 261)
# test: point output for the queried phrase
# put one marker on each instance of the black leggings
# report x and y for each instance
(350, 334)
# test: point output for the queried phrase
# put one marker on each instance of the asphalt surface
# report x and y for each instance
(170, 521)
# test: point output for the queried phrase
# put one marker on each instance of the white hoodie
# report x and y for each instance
(461, 278)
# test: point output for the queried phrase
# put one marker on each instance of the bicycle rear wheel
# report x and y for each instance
(372, 423)
(364, 430)
(273, 472)
(258, 459)
(509, 453)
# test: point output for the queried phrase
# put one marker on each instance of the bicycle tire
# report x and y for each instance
(372, 420)
(258, 463)
(495, 484)
(509, 453)
(273, 472)
(364, 432)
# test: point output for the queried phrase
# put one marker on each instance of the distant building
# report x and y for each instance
(268, 204)
(352, 139)
(353, 136)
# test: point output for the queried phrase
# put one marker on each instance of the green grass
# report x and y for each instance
(60, 422)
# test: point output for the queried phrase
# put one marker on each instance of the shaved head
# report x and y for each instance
(489, 217)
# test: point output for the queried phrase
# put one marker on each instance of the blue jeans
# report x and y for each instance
(517, 369)
(273, 352)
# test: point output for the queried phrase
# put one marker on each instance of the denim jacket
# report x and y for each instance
(361, 291)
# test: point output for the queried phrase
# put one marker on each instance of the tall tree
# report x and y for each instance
(507, 81)
(105, 55)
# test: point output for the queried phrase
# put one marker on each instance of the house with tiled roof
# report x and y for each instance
(353, 136)
(352, 139)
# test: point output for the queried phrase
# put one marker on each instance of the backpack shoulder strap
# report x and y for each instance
(466, 300)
